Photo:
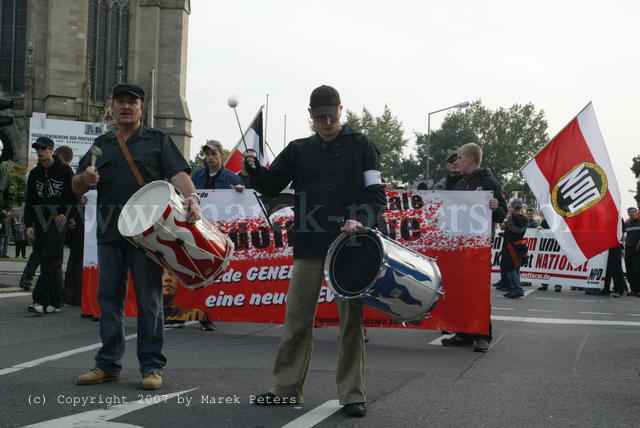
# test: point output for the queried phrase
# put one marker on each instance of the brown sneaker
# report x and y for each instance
(95, 376)
(152, 381)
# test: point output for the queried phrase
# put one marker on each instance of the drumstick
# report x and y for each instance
(95, 153)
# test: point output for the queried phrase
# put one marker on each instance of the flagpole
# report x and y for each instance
(242, 133)
(557, 133)
(266, 118)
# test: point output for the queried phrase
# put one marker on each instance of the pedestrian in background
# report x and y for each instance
(74, 239)
(49, 199)
(19, 237)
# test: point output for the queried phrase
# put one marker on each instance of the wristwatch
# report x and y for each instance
(195, 195)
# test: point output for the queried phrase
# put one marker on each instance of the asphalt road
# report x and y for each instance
(557, 360)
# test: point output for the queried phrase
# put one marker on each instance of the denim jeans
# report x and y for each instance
(513, 281)
(115, 259)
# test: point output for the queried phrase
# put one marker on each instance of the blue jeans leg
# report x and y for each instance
(513, 277)
(147, 279)
(112, 291)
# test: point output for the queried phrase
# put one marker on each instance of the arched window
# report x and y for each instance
(107, 44)
(13, 45)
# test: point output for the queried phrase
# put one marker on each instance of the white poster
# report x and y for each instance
(75, 134)
(547, 264)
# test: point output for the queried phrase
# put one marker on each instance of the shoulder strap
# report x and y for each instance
(127, 156)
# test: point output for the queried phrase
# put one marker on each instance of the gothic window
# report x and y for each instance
(107, 45)
(13, 45)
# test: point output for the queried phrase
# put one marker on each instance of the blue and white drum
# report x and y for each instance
(370, 269)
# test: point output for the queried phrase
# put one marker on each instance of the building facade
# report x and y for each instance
(63, 58)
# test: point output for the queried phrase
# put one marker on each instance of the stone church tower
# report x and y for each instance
(63, 57)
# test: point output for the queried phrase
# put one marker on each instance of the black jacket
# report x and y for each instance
(482, 179)
(48, 194)
(447, 183)
(328, 179)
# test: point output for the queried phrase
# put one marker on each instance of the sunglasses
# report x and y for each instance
(452, 159)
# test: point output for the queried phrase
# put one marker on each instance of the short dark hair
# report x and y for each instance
(65, 152)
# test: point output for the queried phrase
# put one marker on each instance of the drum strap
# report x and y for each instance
(127, 156)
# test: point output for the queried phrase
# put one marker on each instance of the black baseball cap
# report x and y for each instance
(324, 100)
(128, 88)
(43, 143)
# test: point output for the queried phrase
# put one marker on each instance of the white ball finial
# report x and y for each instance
(233, 101)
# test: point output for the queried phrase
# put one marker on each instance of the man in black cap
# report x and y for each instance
(49, 200)
(135, 154)
(336, 177)
(454, 175)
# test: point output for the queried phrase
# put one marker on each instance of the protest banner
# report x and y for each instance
(547, 263)
(452, 227)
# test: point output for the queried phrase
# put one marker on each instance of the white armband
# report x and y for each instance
(371, 177)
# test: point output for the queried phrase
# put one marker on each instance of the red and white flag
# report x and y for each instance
(254, 137)
(576, 188)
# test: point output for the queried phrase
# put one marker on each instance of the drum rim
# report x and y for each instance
(334, 246)
(134, 197)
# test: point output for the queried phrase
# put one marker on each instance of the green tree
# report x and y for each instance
(635, 168)
(387, 134)
(509, 138)
(453, 133)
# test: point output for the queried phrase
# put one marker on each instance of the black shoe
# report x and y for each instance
(207, 326)
(525, 284)
(456, 341)
(632, 293)
(504, 289)
(481, 345)
(355, 410)
(603, 293)
(271, 399)
(558, 288)
(366, 338)
(512, 295)
(543, 287)
(497, 284)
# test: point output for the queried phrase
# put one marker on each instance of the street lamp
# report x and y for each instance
(459, 105)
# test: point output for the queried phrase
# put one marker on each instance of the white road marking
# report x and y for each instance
(634, 315)
(546, 298)
(438, 341)
(591, 301)
(39, 361)
(16, 294)
(527, 292)
(99, 417)
(540, 310)
(503, 309)
(315, 416)
(596, 313)
(564, 321)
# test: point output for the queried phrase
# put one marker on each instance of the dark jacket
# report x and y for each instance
(447, 183)
(48, 194)
(482, 179)
(156, 157)
(224, 181)
(632, 229)
(328, 179)
(514, 250)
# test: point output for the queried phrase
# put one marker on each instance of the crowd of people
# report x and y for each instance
(336, 177)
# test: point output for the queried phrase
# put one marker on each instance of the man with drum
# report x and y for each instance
(335, 174)
(130, 158)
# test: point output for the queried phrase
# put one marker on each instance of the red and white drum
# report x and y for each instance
(155, 220)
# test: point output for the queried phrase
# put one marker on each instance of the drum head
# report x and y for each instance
(355, 263)
(144, 208)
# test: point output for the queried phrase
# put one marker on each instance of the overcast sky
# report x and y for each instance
(416, 57)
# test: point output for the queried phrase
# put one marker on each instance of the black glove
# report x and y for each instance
(250, 169)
